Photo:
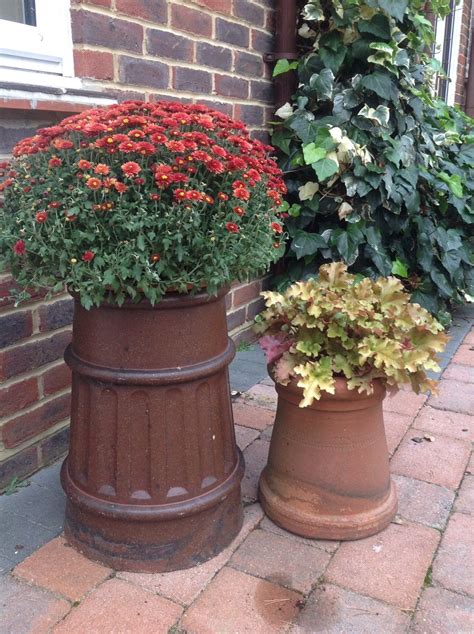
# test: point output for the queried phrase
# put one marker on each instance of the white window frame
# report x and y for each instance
(39, 55)
(452, 71)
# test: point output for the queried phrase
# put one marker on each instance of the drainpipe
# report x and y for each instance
(285, 48)
(470, 80)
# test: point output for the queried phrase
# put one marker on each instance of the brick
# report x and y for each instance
(396, 426)
(97, 3)
(186, 19)
(54, 446)
(250, 12)
(94, 64)
(183, 586)
(254, 308)
(252, 416)
(18, 396)
(262, 91)
(56, 315)
(404, 402)
(19, 465)
(143, 71)
(226, 108)
(465, 500)
(232, 33)
(257, 606)
(213, 56)
(442, 611)
(156, 11)
(255, 460)
(229, 86)
(469, 338)
(244, 294)
(169, 45)
(263, 395)
(28, 609)
(455, 396)
(220, 6)
(437, 421)
(251, 115)
(56, 379)
(454, 562)
(244, 436)
(390, 566)
(28, 425)
(192, 80)
(334, 610)
(465, 355)
(33, 355)
(61, 569)
(329, 545)
(280, 560)
(119, 606)
(440, 462)
(235, 319)
(15, 327)
(424, 503)
(262, 42)
(248, 64)
(101, 30)
(457, 372)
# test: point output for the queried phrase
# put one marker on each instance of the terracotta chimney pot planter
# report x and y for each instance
(328, 475)
(153, 473)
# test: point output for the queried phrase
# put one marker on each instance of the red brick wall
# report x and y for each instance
(201, 50)
(464, 50)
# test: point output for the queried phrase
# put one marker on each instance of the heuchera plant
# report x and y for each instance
(380, 172)
(136, 199)
(342, 325)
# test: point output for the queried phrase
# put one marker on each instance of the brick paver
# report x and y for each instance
(333, 610)
(280, 560)
(390, 566)
(235, 602)
(454, 563)
(59, 568)
(25, 609)
(442, 461)
(422, 502)
(120, 607)
(442, 611)
(416, 576)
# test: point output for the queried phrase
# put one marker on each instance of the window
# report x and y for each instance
(448, 36)
(35, 36)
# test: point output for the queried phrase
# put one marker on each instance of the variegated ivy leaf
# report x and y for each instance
(285, 111)
(379, 115)
(307, 191)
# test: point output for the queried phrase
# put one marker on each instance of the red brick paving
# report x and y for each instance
(416, 575)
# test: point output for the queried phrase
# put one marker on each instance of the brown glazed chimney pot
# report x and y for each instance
(153, 472)
(328, 474)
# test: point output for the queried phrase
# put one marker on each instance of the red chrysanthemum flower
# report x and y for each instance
(19, 248)
(88, 256)
(242, 193)
(55, 162)
(93, 183)
(131, 168)
(222, 196)
(215, 166)
(121, 188)
(277, 228)
(41, 216)
(240, 211)
(156, 257)
(232, 227)
(102, 169)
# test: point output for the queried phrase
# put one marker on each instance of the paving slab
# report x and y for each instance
(454, 563)
(334, 610)
(404, 402)
(280, 560)
(441, 462)
(245, 435)
(25, 609)
(20, 537)
(183, 586)
(390, 566)
(328, 545)
(118, 607)
(235, 602)
(61, 569)
(442, 611)
(463, 373)
(454, 396)
(250, 415)
(446, 423)
(396, 426)
(422, 502)
(465, 500)
(49, 513)
(465, 355)
(255, 460)
(262, 395)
